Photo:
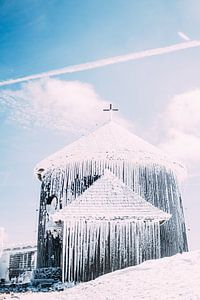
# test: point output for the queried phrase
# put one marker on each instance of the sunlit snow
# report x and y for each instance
(176, 277)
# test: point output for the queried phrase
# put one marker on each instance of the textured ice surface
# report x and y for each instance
(110, 141)
(109, 198)
(93, 248)
(108, 227)
(140, 166)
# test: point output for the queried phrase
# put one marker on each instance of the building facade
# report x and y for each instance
(146, 171)
(17, 264)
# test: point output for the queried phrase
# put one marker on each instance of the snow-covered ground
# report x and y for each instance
(177, 277)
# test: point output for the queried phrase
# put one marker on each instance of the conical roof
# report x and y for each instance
(109, 198)
(110, 141)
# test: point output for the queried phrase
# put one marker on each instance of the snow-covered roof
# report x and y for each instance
(110, 141)
(109, 198)
(26, 247)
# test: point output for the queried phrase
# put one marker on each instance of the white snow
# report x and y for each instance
(176, 277)
(110, 141)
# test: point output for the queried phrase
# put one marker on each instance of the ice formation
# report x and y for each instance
(107, 228)
(108, 198)
(74, 171)
(109, 142)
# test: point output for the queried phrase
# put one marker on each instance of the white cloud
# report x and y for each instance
(182, 128)
(183, 112)
(69, 106)
(186, 147)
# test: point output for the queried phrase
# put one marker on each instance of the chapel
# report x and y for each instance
(109, 200)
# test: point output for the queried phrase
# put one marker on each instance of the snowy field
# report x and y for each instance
(177, 277)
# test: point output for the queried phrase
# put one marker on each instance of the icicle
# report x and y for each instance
(155, 183)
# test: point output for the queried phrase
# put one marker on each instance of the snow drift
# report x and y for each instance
(176, 277)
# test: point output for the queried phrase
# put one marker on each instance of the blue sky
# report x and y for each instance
(38, 36)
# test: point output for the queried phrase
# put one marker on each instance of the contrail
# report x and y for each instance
(183, 36)
(107, 61)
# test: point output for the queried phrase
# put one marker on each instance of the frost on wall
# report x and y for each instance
(154, 183)
(71, 171)
(94, 248)
(108, 227)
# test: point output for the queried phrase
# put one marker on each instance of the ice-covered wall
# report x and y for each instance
(92, 248)
(155, 183)
(142, 167)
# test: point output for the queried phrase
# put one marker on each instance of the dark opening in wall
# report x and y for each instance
(50, 199)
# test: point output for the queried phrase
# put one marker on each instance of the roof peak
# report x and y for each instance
(109, 198)
(109, 141)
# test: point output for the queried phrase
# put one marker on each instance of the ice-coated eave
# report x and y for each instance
(109, 142)
(109, 199)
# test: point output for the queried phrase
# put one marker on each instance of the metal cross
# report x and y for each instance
(111, 109)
